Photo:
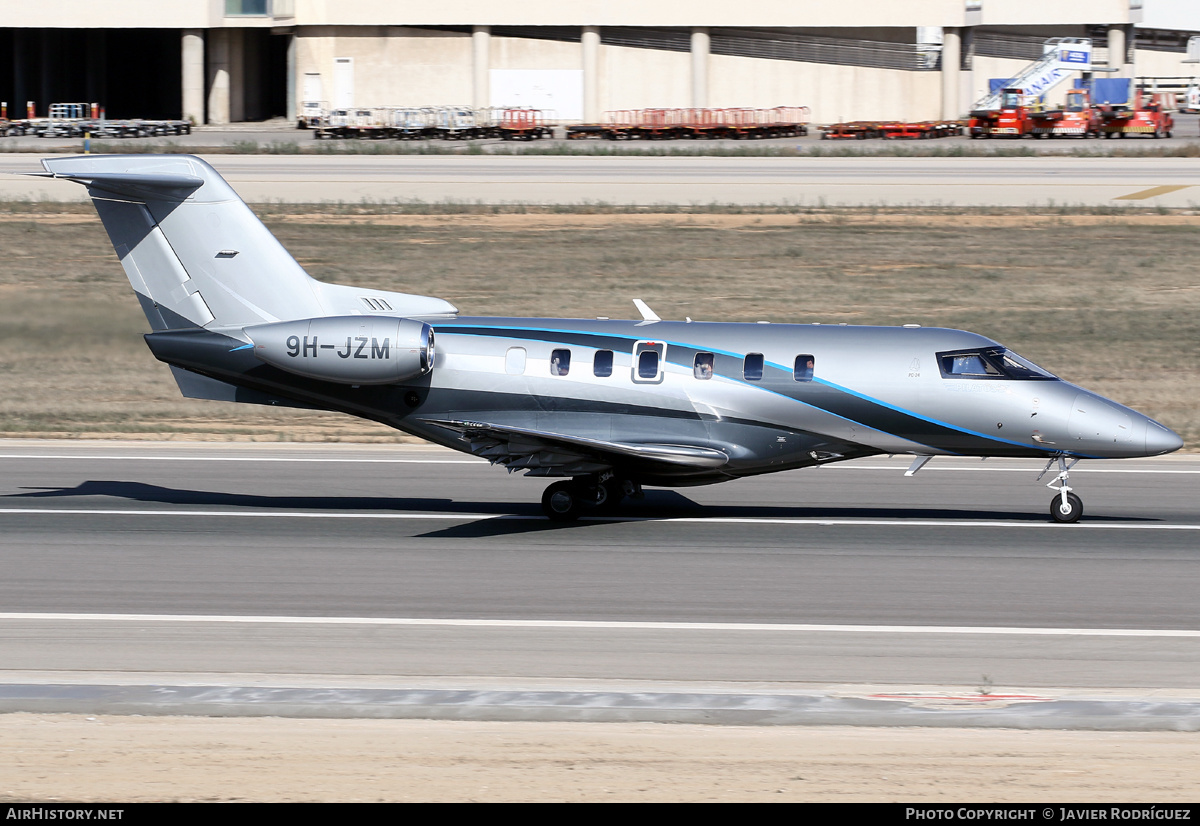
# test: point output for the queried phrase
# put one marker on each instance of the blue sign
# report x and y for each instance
(1066, 56)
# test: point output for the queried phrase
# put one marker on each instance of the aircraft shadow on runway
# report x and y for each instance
(142, 492)
(522, 517)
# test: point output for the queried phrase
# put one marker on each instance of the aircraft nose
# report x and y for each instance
(1160, 440)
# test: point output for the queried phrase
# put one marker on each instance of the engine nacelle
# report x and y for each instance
(347, 349)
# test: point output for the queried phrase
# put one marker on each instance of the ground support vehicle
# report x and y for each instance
(584, 131)
(312, 114)
(1011, 120)
(854, 130)
(97, 128)
(1077, 118)
(695, 124)
(1148, 116)
(658, 124)
(922, 130)
(77, 120)
(522, 125)
(457, 123)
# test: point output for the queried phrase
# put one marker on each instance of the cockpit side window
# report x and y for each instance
(989, 363)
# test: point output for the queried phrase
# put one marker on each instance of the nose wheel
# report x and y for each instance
(1065, 506)
(1066, 509)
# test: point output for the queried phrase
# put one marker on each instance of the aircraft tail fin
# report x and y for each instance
(197, 256)
(193, 251)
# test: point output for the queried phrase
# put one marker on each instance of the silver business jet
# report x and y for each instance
(605, 406)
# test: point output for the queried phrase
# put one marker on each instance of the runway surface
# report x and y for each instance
(833, 181)
(418, 566)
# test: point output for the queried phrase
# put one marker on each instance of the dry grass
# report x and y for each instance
(1109, 302)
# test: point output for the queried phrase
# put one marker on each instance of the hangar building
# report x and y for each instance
(221, 61)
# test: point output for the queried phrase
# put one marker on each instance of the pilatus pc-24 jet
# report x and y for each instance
(605, 406)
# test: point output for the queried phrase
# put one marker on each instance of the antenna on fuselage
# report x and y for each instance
(644, 309)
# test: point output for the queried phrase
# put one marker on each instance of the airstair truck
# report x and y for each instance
(1007, 111)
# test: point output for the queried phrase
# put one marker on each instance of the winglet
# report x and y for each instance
(647, 313)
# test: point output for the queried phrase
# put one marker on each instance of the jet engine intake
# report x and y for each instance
(347, 349)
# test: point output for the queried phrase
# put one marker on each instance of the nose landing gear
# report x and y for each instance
(1065, 506)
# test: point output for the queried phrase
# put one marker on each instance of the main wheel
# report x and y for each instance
(607, 496)
(1068, 513)
(562, 502)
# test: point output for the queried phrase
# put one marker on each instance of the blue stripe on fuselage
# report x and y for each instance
(847, 404)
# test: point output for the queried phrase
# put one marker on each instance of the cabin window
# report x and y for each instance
(603, 363)
(752, 367)
(702, 367)
(560, 362)
(803, 371)
(649, 357)
(514, 361)
(647, 364)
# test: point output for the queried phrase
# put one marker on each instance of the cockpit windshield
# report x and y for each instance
(989, 363)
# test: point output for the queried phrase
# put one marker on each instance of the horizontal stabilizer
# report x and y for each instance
(130, 184)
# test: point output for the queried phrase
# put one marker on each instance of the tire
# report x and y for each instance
(562, 502)
(1071, 514)
(608, 496)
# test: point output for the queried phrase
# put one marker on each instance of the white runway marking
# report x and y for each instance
(994, 469)
(657, 626)
(701, 520)
(469, 460)
(350, 460)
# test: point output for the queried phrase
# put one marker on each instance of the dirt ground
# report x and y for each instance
(49, 758)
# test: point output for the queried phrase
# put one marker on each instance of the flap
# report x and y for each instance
(518, 447)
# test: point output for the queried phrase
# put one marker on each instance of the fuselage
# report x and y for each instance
(777, 395)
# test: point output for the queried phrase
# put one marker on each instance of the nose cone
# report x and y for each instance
(1160, 440)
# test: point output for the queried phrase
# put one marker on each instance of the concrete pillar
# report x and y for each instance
(966, 94)
(192, 47)
(701, 44)
(237, 75)
(218, 77)
(591, 74)
(951, 73)
(481, 66)
(293, 107)
(1117, 46)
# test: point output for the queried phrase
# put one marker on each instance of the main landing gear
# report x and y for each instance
(1065, 506)
(566, 501)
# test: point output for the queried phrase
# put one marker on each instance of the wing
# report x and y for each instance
(554, 454)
